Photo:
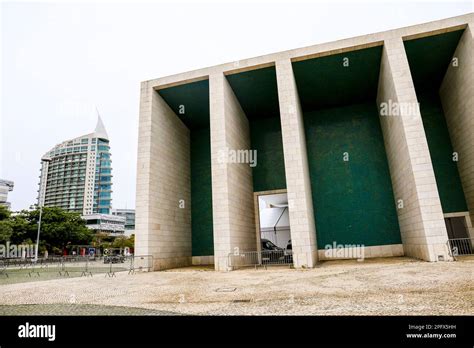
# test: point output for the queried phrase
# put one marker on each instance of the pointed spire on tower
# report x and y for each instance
(100, 128)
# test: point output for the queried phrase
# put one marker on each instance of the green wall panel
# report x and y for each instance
(326, 82)
(201, 193)
(194, 97)
(265, 137)
(449, 185)
(257, 92)
(353, 201)
(429, 58)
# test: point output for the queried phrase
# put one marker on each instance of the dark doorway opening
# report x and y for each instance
(459, 240)
(456, 227)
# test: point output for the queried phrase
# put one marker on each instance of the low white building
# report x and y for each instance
(5, 187)
(129, 215)
(113, 225)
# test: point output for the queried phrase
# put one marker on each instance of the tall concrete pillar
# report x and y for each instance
(420, 215)
(232, 186)
(302, 226)
(163, 223)
(457, 97)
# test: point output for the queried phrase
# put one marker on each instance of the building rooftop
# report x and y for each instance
(7, 183)
(314, 51)
(99, 132)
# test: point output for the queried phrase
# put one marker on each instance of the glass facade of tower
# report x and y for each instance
(103, 178)
(66, 176)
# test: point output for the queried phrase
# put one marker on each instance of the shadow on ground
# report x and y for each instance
(77, 309)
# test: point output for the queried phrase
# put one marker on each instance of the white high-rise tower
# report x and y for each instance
(76, 175)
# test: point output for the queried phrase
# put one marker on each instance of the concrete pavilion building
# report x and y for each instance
(76, 175)
(371, 138)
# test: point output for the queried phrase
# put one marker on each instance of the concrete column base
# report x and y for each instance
(203, 260)
(305, 259)
(171, 262)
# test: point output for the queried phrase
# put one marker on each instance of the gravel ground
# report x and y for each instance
(393, 286)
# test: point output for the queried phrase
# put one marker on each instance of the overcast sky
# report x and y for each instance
(59, 61)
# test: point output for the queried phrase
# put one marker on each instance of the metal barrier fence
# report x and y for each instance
(461, 246)
(260, 258)
(141, 263)
(77, 265)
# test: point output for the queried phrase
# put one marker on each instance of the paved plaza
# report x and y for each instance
(392, 286)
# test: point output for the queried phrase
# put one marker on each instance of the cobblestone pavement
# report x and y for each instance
(394, 286)
(76, 309)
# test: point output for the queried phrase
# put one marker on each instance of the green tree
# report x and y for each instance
(22, 228)
(102, 240)
(60, 228)
(4, 213)
(5, 231)
(124, 241)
